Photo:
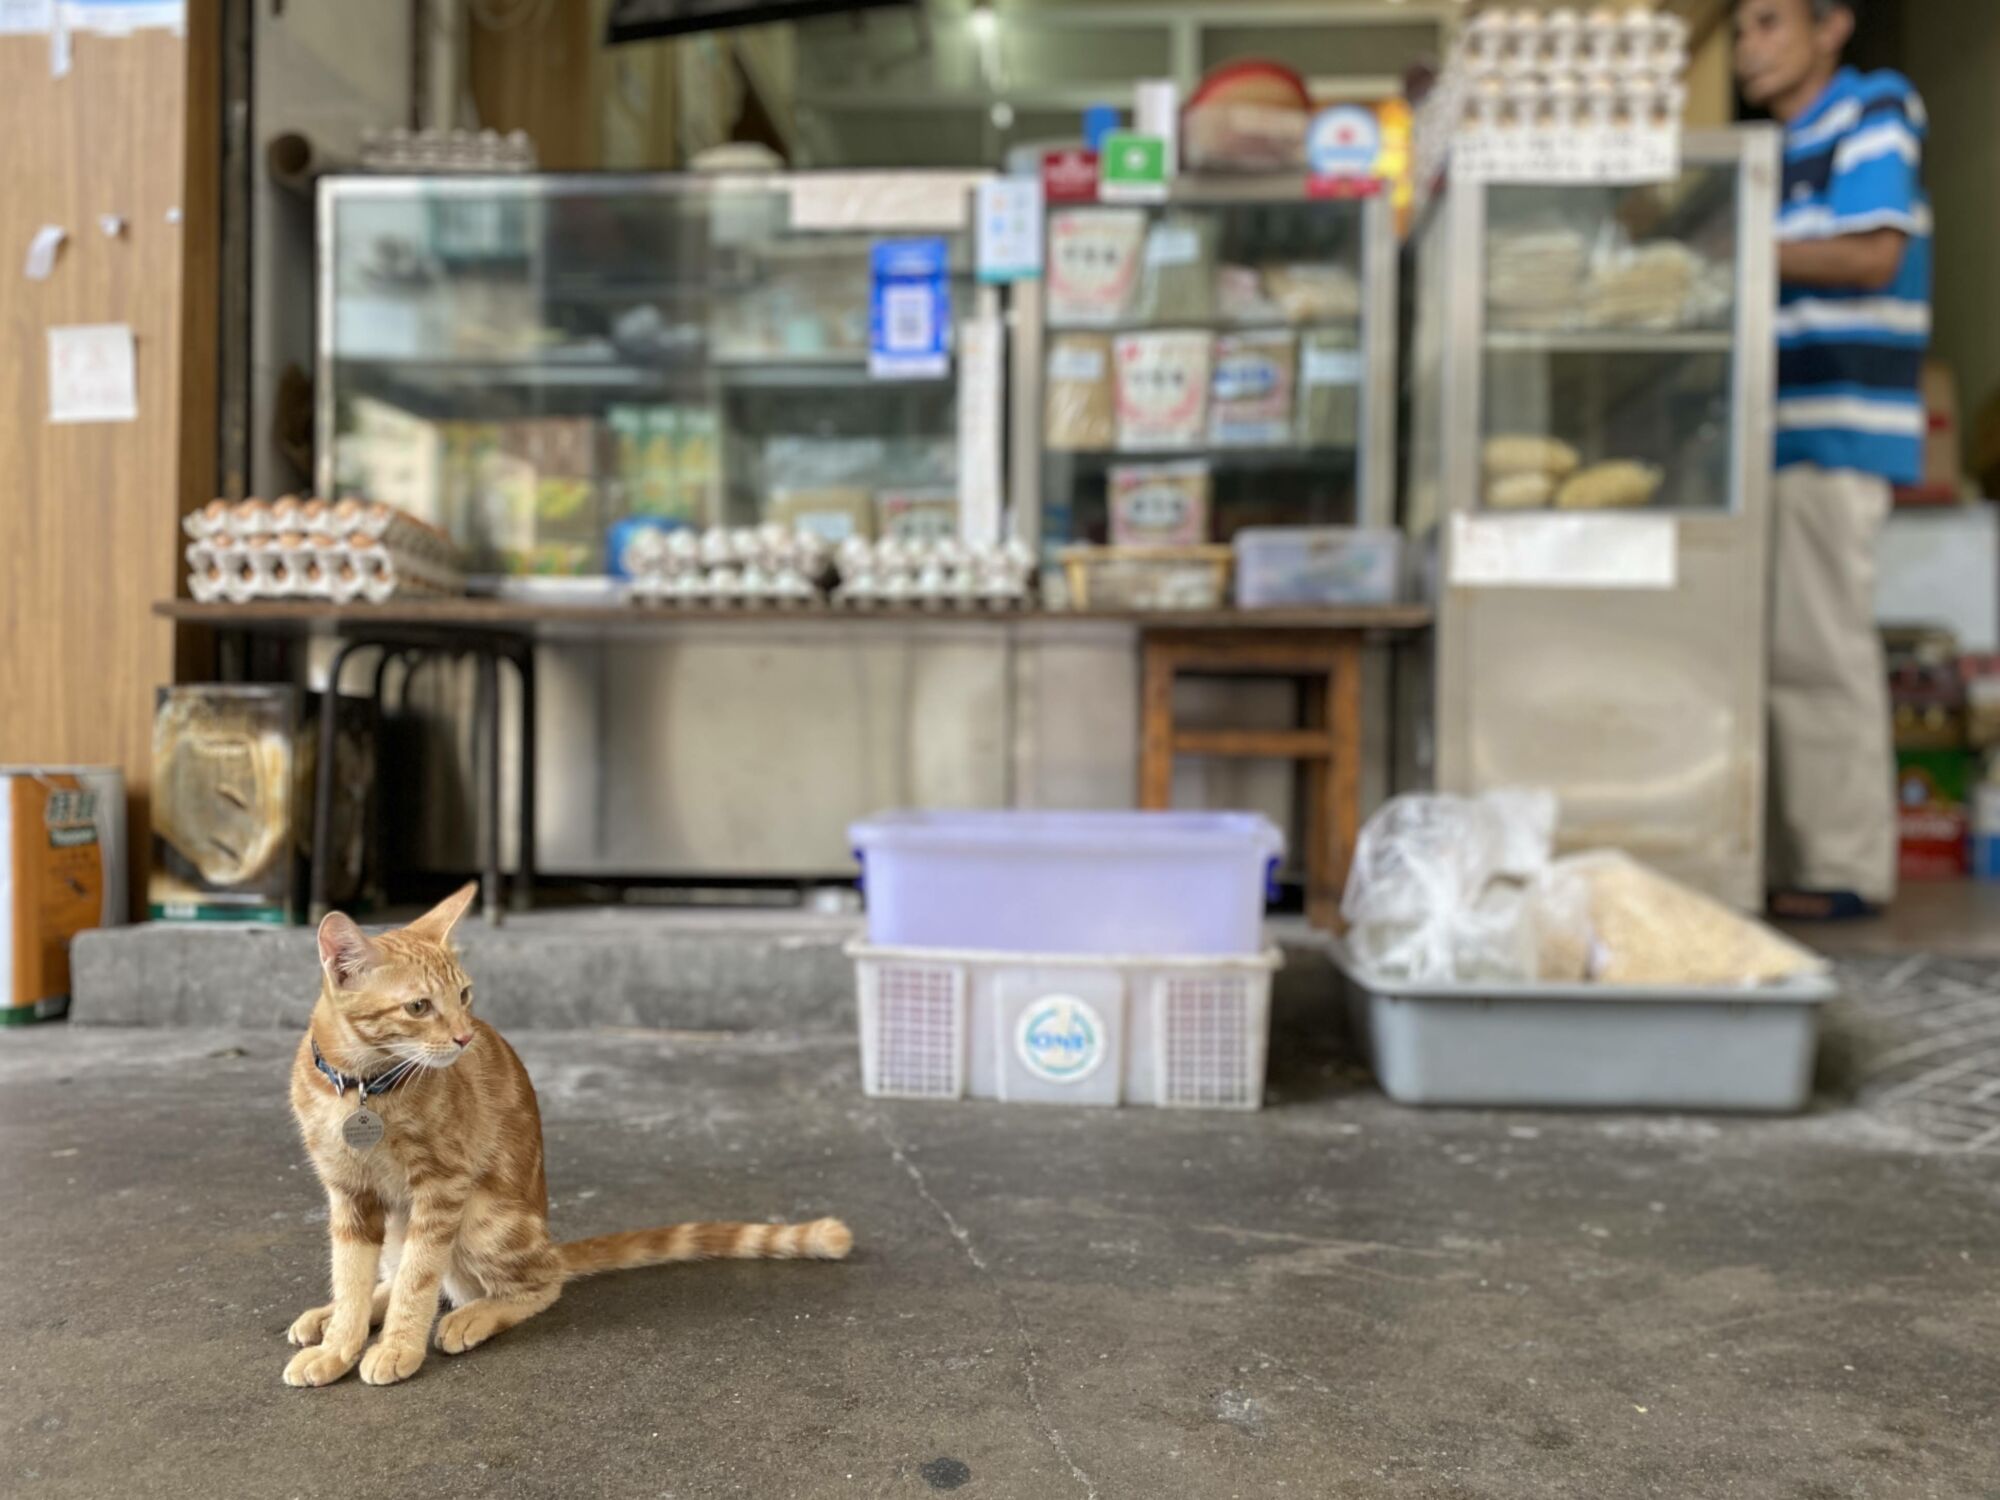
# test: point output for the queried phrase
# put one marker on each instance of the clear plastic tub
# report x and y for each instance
(1180, 885)
(1305, 566)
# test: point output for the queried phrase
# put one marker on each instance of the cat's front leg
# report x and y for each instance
(355, 1225)
(413, 1298)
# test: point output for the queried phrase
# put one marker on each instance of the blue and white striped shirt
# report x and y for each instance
(1849, 359)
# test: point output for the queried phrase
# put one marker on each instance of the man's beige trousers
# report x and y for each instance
(1833, 777)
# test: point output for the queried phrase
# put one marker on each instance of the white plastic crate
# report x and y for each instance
(1063, 1029)
(1308, 566)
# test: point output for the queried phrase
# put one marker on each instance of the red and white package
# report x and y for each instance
(1163, 381)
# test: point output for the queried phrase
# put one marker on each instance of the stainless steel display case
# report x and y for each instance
(1244, 259)
(1629, 323)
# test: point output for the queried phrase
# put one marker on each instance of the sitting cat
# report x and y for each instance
(422, 1124)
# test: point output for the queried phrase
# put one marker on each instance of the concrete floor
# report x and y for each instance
(1333, 1297)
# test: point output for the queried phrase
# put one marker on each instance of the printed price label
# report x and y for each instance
(1076, 363)
(1331, 366)
(1173, 245)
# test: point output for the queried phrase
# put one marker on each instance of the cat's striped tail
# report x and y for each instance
(823, 1239)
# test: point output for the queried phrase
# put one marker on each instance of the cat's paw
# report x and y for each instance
(387, 1362)
(467, 1327)
(310, 1325)
(317, 1366)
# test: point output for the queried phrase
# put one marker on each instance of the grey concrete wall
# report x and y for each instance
(554, 970)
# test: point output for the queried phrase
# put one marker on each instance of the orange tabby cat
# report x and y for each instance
(422, 1123)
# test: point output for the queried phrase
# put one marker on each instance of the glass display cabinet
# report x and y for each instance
(1591, 382)
(528, 360)
(1220, 360)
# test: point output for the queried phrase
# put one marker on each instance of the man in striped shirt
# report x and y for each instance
(1854, 260)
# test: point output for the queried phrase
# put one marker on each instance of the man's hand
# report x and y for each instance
(1868, 261)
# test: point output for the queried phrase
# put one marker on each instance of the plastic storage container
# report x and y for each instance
(1147, 578)
(1591, 1046)
(1060, 1029)
(1304, 566)
(1162, 884)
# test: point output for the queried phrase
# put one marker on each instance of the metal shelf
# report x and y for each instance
(815, 372)
(691, 372)
(1276, 456)
(1611, 341)
(1217, 325)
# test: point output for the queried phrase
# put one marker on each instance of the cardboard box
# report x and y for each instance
(1933, 813)
(62, 871)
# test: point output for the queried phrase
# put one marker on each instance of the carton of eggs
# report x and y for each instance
(728, 566)
(934, 575)
(1563, 73)
(289, 548)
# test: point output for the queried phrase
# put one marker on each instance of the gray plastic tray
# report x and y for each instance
(1587, 1046)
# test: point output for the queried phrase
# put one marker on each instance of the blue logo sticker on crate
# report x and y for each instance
(1061, 1039)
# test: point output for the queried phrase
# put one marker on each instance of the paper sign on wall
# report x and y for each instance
(122, 17)
(41, 259)
(93, 374)
(27, 17)
(1565, 552)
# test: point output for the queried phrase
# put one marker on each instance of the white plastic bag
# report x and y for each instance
(1442, 887)
(1465, 889)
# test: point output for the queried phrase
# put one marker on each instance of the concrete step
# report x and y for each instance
(546, 970)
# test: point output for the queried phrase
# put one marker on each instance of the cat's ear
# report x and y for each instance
(344, 951)
(435, 925)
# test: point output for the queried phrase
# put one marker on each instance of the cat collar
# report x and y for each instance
(381, 1083)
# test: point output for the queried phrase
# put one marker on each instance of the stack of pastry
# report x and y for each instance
(1526, 472)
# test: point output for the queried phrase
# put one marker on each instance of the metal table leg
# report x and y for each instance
(322, 824)
(378, 829)
(524, 871)
(492, 898)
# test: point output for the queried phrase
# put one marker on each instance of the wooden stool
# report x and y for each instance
(1329, 744)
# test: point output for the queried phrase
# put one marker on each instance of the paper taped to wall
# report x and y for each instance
(1565, 552)
(123, 17)
(27, 17)
(93, 374)
(42, 252)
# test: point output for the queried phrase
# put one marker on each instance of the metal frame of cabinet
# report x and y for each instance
(1644, 709)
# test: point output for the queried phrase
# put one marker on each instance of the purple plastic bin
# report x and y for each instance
(1162, 884)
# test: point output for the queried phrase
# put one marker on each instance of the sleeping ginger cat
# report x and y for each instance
(444, 1185)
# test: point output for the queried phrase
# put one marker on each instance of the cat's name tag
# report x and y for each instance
(362, 1130)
